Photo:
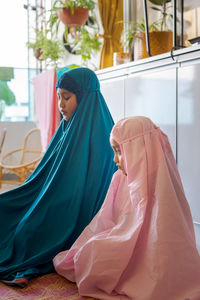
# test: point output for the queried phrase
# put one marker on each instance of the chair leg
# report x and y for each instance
(21, 176)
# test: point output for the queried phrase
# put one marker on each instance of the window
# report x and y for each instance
(17, 20)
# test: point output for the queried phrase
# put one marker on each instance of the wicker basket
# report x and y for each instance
(160, 42)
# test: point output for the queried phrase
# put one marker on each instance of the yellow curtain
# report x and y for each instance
(111, 12)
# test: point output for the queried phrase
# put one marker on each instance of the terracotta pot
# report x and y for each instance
(160, 42)
(76, 19)
(38, 53)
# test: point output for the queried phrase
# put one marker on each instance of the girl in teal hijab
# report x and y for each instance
(48, 212)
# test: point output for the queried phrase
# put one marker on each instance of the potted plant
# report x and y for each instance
(161, 39)
(50, 50)
(73, 12)
(162, 6)
(82, 39)
(134, 29)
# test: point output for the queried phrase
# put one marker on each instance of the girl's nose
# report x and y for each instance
(62, 102)
(115, 158)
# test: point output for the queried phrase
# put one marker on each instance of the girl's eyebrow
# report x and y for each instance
(66, 94)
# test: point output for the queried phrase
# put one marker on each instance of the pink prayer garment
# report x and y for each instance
(46, 106)
(141, 244)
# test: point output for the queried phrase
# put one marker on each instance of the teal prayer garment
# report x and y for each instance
(48, 212)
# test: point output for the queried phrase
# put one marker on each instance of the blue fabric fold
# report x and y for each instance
(48, 212)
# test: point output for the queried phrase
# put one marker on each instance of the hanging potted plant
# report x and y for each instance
(85, 43)
(160, 37)
(73, 13)
(50, 50)
(82, 39)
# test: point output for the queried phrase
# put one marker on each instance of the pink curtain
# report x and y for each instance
(46, 105)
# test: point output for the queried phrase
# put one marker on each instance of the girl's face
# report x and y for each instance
(67, 103)
(118, 159)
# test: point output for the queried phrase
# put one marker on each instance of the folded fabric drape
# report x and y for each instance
(46, 105)
(111, 12)
(141, 243)
(49, 211)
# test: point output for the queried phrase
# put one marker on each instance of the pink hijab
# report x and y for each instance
(141, 244)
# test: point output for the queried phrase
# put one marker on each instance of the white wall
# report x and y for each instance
(15, 135)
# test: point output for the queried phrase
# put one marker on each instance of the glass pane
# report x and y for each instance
(20, 88)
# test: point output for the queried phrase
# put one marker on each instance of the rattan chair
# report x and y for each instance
(2, 139)
(18, 164)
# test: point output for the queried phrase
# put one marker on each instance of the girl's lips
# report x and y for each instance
(63, 113)
(119, 167)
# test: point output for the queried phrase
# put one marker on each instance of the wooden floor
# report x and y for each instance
(47, 287)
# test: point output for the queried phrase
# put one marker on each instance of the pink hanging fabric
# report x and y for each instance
(141, 244)
(46, 105)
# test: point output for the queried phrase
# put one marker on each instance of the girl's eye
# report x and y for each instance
(118, 151)
(66, 98)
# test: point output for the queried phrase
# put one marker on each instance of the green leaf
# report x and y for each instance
(72, 4)
(155, 8)
(6, 94)
(159, 2)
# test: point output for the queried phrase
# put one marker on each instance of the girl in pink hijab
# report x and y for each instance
(141, 244)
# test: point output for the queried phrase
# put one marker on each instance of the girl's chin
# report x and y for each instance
(123, 171)
(65, 118)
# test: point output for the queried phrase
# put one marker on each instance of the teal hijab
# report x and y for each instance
(48, 212)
